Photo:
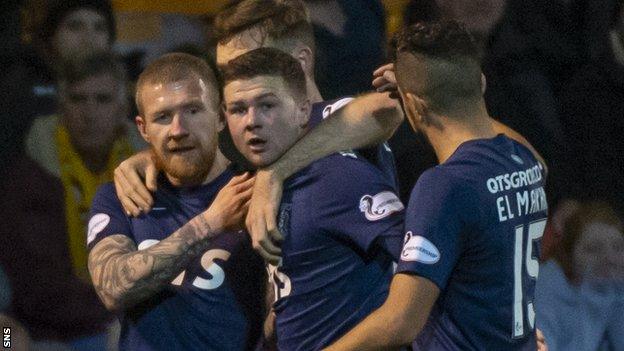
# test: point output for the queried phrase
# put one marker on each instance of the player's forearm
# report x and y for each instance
(367, 120)
(124, 277)
(379, 331)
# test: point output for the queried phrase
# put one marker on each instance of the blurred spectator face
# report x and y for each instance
(80, 33)
(264, 117)
(93, 111)
(599, 253)
(180, 122)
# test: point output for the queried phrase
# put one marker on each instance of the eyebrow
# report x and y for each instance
(259, 97)
(192, 103)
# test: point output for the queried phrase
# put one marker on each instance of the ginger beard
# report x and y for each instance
(188, 160)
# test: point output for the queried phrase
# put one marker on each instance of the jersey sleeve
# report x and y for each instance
(106, 217)
(434, 222)
(359, 205)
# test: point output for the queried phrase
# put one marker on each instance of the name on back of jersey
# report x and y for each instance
(516, 199)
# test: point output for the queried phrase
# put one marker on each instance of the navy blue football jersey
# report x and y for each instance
(473, 226)
(216, 303)
(335, 214)
(381, 155)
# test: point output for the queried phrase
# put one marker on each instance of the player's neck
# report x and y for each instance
(313, 92)
(455, 131)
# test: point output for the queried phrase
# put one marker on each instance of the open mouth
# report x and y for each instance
(256, 144)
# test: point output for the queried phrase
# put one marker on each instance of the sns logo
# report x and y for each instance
(380, 206)
(418, 249)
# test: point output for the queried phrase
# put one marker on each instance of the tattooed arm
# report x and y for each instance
(123, 276)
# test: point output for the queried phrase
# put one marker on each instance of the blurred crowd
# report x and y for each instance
(554, 72)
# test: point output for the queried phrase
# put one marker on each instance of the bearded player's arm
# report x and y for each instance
(124, 276)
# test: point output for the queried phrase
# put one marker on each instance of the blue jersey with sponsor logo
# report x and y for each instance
(473, 228)
(338, 217)
(215, 303)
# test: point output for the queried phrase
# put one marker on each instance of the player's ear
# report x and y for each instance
(140, 123)
(303, 114)
(305, 56)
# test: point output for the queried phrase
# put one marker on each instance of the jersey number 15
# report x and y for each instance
(535, 231)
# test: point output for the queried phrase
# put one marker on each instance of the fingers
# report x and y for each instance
(379, 81)
(129, 207)
(137, 191)
(379, 71)
(272, 259)
(239, 179)
(131, 201)
(274, 233)
(151, 178)
(386, 87)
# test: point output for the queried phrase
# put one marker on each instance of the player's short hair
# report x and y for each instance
(267, 62)
(451, 60)
(175, 67)
(75, 71)
(281, 21)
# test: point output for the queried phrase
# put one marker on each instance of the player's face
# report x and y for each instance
(80, 33)
(599, 253)
(93, 111)
(180, 123)
(264, 117)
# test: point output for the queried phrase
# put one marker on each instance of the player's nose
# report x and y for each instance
(253, 119)
(178, 130)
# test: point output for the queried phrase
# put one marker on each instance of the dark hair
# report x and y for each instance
(279, 20)
(269, 62)
(451, 57)
(94, 64)
(587, 213)
(59, 9)
(175, 67)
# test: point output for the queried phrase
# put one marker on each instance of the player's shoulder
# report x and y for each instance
(106, 193)
(346, 165)
(323, 109)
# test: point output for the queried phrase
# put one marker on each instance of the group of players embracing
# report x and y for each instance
(350, 267)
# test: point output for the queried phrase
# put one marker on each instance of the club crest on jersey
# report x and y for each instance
(380, 206)
(97, 223)
(418, 249)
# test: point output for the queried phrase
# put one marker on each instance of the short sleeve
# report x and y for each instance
(360, 205)
(433, 227)
(106, 217)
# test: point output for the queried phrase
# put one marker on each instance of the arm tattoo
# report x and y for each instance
(123, 276)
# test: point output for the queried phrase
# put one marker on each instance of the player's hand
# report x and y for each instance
(135, 196)
(228, 210)
(262, 216)
(384, 79)
(541, 341)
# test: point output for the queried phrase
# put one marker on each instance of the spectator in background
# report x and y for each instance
(592, 105)
(84, 142)
(47, 201)
(71, 29)
(579, 296)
